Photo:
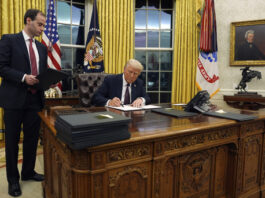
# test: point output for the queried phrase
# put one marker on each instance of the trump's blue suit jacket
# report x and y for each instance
(14, 63)
(112, 87)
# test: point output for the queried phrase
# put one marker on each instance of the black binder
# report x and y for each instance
(232, 116)
(91, 129)
(49, 77)
(174, 112)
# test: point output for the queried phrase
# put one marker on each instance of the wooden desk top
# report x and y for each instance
(199, 156)
(147, 125)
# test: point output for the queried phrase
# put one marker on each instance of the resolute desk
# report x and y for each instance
(165, 157)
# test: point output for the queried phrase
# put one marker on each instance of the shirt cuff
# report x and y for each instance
(23, 79)
(143, 100)
(107, 103)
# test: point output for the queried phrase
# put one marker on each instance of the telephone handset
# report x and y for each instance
(200, 102)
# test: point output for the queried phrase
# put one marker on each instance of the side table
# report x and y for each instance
(252, 102)
(65, 100)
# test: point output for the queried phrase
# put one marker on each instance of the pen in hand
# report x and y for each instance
(122, 104)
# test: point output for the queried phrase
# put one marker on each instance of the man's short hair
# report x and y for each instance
(135, 64)
(32, 13)
(249, 32)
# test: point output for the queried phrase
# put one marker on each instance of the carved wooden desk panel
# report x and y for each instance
(165, 158)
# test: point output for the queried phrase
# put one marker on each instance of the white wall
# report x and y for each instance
(228, 11)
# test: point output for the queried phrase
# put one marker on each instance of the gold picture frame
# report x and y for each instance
(243, 52)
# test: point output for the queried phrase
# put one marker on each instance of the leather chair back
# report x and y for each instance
(87, 84)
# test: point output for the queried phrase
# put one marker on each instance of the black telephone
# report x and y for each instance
(199, 103)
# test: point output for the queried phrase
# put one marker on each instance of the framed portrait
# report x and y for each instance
(247, 43)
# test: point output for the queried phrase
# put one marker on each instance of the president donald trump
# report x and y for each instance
(120, 89)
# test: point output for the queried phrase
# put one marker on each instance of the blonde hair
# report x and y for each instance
(135, 64)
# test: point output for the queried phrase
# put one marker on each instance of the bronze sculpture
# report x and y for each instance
(247, 76)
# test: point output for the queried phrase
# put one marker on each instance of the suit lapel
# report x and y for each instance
(40, 56)
(119, 89)
(22, 45)
(133, 87)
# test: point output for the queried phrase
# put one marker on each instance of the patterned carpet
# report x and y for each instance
(30, 189)
(2, 155)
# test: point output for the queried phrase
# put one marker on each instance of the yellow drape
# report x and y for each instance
(185, 50)
(12, 21)
(12, 14)
(116, 21)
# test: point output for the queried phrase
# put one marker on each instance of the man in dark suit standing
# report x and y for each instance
(22, 58)
(124, 88)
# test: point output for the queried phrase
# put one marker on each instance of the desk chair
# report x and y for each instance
(87, 84)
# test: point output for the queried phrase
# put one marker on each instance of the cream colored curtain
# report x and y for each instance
(185, 50)
(12, 21)
(116, 21)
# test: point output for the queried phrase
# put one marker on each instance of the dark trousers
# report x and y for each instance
(14, 119)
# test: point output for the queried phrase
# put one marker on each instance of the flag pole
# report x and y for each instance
(94, 7)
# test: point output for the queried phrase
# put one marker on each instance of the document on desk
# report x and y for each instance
(131, 108)
(179, 104)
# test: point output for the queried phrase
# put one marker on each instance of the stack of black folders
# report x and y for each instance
(174, 112)
(82, 130)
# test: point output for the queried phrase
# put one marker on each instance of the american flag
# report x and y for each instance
(50, 39)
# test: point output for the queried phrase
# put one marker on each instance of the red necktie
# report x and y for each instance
(33, 62)
(34, 70)
(127, 95)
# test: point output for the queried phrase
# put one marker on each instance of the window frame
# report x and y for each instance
(88, 6)
(157, 49)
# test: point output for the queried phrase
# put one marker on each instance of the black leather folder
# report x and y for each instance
(50, 77)
(99, 139)
(88, 121)
(174, 112)
(91, 129)
(232, 116)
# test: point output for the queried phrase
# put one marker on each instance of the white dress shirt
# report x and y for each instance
(124, 87)
(27, 41)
